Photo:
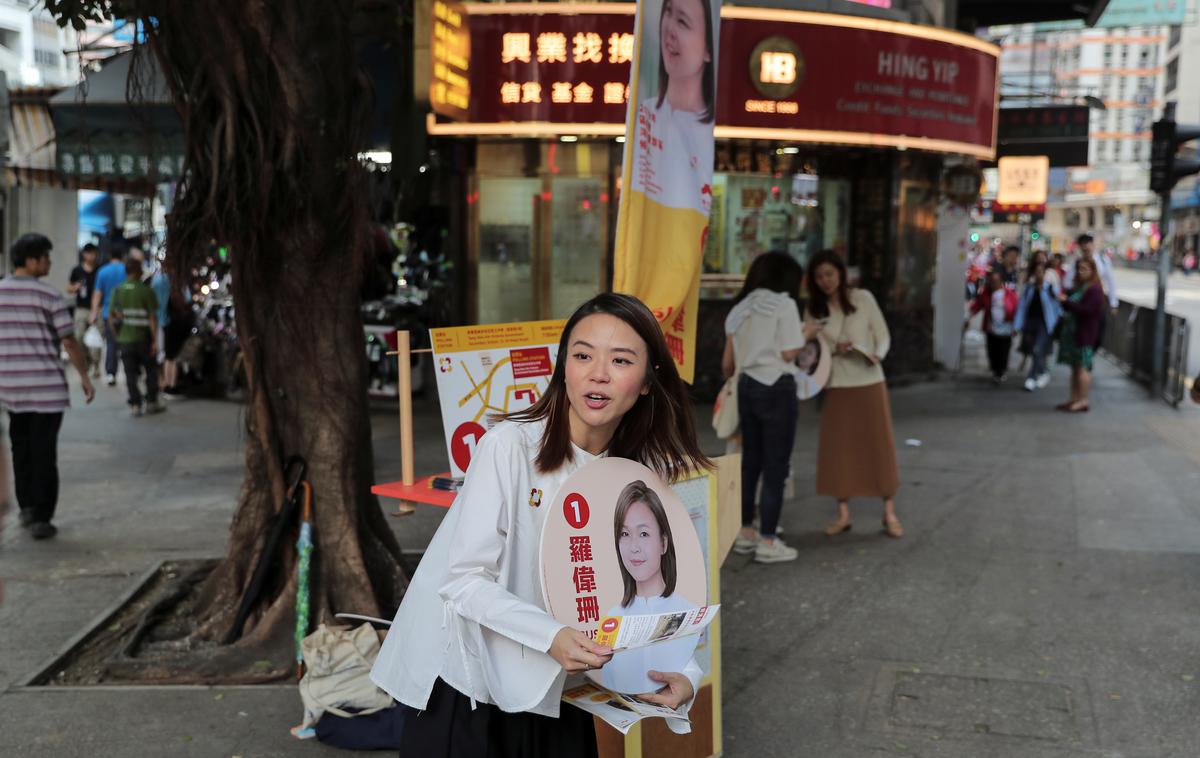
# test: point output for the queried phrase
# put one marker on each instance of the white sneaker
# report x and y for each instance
(158, 406)
(1043, 380)
(135, 410)
(1030, 384)
(775, 551)
(743, 546)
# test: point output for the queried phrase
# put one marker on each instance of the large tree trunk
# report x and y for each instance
(273, 105)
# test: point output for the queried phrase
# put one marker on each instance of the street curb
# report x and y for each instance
(106, 615)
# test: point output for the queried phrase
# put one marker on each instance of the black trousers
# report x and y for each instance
(136, 357)
(998, 349)
(34, 438)
(448, 728)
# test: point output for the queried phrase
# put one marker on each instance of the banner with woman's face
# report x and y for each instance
(617, 541)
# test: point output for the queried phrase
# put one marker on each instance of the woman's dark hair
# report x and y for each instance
(818, 301)
(1034, 262)
(638, 492)
(775, 271)
(658, 431)
(707, 79)
(29, 247)
(1093, 279)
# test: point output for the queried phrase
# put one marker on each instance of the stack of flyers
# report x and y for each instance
(619, 711)
(626, 632)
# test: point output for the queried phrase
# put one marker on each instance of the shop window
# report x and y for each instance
(794, 213)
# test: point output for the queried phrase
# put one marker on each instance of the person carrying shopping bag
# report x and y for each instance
(763, 337)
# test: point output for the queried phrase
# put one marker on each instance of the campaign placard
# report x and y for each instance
(488, 370)
(618, 543)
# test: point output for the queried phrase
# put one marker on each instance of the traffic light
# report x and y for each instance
(1166, 168)
(1035, 236)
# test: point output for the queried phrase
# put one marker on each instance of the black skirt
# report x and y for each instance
(448, 728)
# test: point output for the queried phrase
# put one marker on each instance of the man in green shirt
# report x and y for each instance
(131, 316)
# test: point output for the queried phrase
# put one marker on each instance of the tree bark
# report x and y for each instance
(273, 104)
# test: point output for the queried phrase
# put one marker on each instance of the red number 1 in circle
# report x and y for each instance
(575, 508)
(463, 442)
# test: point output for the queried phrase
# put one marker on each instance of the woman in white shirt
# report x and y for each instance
(675, 165)
(646, 553)
(763, 336)
(857, 452)
(472, 649)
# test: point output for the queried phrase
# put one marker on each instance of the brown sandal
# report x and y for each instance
(839, 526)
(893, 528)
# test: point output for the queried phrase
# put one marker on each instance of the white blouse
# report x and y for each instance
(473, 613)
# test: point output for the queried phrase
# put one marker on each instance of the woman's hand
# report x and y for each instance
(677, 690)
(576, 652)
(843, 347)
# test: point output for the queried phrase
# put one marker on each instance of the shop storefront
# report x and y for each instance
(832, 132)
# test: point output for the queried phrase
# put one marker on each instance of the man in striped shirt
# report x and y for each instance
(34, 323)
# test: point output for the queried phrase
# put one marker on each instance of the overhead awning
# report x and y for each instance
(31, 140)
(104, 138)
(973, 14)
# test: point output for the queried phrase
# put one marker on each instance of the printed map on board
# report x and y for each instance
(486, 370)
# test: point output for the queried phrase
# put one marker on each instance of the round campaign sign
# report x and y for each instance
(462, 444)
(815, 361)
(619, 543)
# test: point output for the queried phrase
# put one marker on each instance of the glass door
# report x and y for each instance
(578, 236)
(507, 249)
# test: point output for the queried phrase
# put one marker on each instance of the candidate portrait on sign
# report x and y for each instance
(674, 147)
(646, 551)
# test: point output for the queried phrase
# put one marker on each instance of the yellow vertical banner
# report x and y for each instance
(666, 178)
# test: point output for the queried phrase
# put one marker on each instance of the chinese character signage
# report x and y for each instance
(486, 370)
(1059, 132)
(550, 67)
(621, 559)
(450, 56)
(662, 221)
(795, 75)
(1023, 180)
(76, 161)
(891, 83)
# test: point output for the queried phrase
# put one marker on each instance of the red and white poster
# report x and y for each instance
(619, 549)
(487, 370)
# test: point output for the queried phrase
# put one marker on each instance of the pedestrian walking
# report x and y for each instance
(1037, 316)
(35, 325)
(81, 284)
(472, 655)
(763, 338)
(1084, 309)
(160, 283)
(176, 332)
(1009, 266)
(132, 316)
(998, 303)
(856, 456)
(1106, 278)
(108, 278)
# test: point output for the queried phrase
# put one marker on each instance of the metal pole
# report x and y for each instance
(1160, 303)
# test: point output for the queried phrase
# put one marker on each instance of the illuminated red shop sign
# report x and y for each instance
(785, 75)
(550, 67)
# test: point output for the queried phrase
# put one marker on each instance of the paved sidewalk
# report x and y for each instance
(1042, 604)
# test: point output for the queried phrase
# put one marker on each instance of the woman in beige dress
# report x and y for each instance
(857, 452)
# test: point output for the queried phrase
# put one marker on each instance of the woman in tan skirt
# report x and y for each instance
(857, 453)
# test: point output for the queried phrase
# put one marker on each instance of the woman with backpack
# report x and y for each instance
(763, 337)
